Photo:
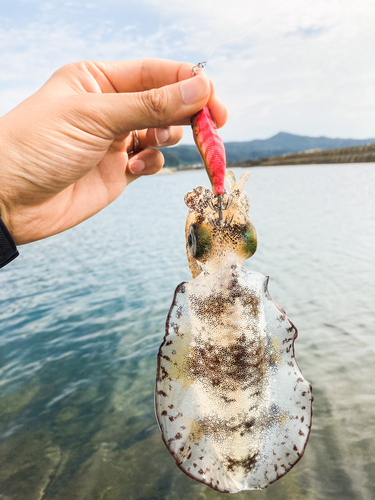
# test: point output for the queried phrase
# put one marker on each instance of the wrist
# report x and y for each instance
(8, 250)
(4, 215)
(5, 173)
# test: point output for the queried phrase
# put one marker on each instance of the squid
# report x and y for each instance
(232, 405)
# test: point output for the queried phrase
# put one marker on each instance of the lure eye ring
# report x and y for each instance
(192, 241)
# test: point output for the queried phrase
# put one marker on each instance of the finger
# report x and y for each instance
(153, 137)
(146, 162)
(115, 114)
(218, 111)
(160, 137)
(144, 74)
(118, 76)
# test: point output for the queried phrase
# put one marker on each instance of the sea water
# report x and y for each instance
(82, 315)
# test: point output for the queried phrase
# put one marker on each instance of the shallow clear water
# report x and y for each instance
(82, 315)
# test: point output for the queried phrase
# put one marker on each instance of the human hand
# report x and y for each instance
(65, 151)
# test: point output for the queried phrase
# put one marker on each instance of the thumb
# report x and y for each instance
(170, 105)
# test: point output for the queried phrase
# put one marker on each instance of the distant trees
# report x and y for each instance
(279, 144)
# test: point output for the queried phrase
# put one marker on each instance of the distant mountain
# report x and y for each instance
(280, 144)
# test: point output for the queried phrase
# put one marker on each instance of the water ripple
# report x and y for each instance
(82, 317)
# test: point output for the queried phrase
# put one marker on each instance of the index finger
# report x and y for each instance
(143, 74)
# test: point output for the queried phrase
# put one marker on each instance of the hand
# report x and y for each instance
(65, 150)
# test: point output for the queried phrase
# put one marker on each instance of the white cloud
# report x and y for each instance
(306, 70)
(309, 72)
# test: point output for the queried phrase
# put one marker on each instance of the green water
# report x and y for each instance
(82, 315)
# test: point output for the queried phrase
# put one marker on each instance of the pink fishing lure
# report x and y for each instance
(210, 147)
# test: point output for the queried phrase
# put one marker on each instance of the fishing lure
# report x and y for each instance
(232, 405)
(209, 144)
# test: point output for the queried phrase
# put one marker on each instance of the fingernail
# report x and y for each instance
(194, 89)
(137, 166)
(161, 136)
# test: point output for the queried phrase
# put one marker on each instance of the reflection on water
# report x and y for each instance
(82, 315)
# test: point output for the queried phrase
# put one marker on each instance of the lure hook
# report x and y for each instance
(195, 68)
(220, 203)
(220, 207)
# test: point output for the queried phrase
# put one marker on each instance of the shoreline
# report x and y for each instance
(355, 154)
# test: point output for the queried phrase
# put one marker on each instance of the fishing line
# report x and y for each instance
(250, 30)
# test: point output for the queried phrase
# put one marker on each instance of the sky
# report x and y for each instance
(308, 69)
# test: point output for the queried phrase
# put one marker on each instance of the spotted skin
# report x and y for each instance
(232, 404)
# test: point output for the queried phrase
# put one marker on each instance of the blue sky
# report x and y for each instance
(307, 70)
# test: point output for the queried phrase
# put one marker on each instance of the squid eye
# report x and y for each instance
(249, 240)
(192, 241)
(199, 242)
